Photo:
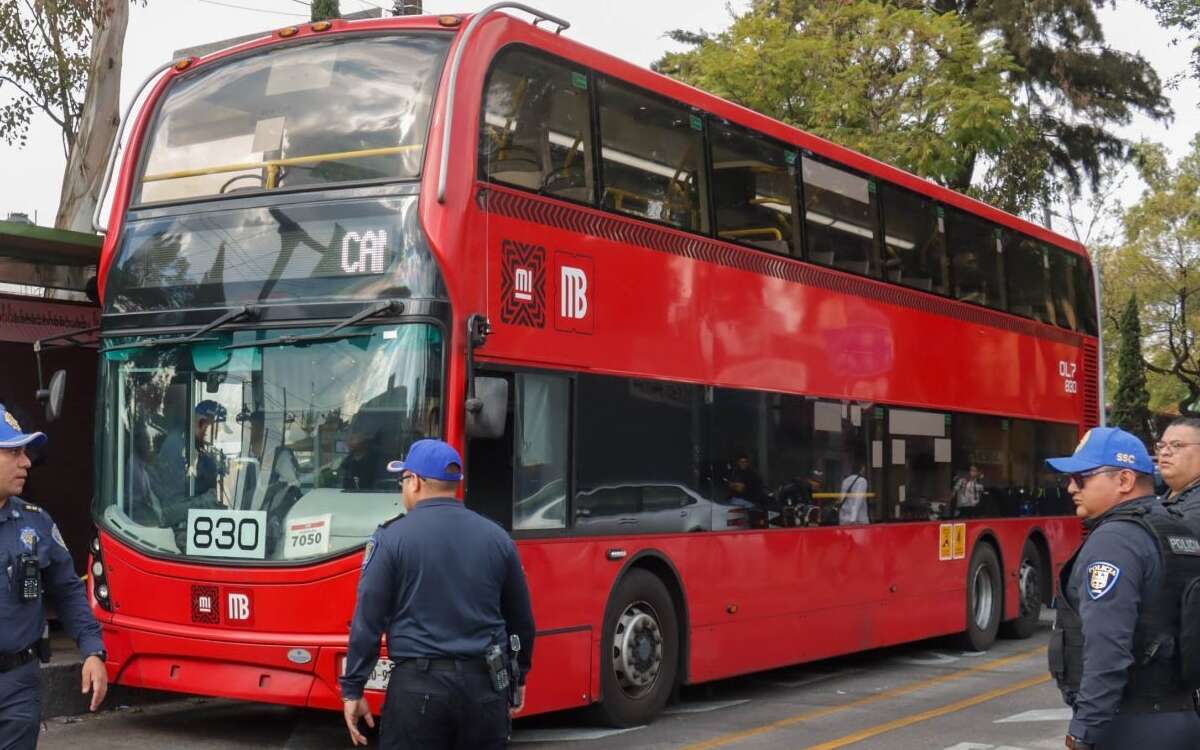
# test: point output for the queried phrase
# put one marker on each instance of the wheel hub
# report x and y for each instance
(637, 649)
(982, 587)
(1031, 594)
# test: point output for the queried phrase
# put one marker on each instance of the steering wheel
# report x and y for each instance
(261, 181)
(563, 178)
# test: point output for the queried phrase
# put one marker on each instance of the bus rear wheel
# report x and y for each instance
(984, 599)
(639, 659)
(1029, 587)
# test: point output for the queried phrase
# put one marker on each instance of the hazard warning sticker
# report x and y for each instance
(946, 541)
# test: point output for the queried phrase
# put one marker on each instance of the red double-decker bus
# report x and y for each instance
(743, 397)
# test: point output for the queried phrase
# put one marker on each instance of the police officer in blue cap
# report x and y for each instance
(36, 563)
(447, 586)
(1115, 647)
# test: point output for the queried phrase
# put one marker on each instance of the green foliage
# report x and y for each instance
(919, 83)
(909, 87)
(44, 56)
(1160, 262)
(1131, 402)
(1184, 16)
(325, 9)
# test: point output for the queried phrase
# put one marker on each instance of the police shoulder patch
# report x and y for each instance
(1101, 577)
(29, 538)
(369, 553)
(58, 537)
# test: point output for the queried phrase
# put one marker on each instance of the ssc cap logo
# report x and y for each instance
(1102, 576)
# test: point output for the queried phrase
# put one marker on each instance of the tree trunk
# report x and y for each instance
(98, 123)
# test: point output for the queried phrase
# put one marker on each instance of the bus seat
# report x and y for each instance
(775, 246)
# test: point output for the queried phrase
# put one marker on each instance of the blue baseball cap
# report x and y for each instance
(1106, 446)
(11, 435)
(210, 410)
(430, 459)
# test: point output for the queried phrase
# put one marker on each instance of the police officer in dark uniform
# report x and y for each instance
(1114, 651)
(1179, 462)
(447, 586)
(36, 563)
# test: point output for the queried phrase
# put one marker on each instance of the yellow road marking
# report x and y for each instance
(820, 713)
(851, 739)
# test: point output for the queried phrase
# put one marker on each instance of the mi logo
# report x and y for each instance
(238, 609)
(204, 605)
(523, 284)
(576, 293)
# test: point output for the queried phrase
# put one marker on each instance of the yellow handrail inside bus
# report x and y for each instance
(840, 495)
(770, 232)
(273, 165)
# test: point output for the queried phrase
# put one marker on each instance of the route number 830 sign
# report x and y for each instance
(227, 533)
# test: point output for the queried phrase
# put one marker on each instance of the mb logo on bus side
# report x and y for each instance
(523, 288)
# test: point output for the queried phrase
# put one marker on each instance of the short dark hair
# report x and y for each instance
(1193, 422)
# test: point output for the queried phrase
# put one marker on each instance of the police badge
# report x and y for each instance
(29, 538)
(1102, 576)
(12, 421)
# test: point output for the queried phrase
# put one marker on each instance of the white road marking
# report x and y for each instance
(1041, 714)
(703, 707)
(934, 659)
(566, 735)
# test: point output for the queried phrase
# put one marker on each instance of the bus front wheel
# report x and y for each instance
(985, 599)
(640, 651)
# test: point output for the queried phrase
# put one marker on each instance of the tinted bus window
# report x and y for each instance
(1085, 300)
(976, 259)
(637, 444)
(1028, 268)
(913, 243)
(839, 216)
(540, 455)
(1064, 273)
(653, 157)
(536, 130)
(754, 189)
(917, 455)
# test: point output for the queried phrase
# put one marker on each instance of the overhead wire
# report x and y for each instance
(254, 10)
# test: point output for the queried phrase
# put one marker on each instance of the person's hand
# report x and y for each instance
(520, 698)
(353, 710)
(95, 680)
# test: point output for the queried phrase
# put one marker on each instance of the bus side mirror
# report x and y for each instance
(488, 409)
(52, 396)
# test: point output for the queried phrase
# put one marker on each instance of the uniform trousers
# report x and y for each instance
(1165, 730)
(20, 707)
(443, 710)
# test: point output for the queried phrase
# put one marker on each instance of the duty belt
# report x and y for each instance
(443, 665)
(9, 662)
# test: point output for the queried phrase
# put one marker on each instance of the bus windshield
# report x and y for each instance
(263, 453)
(332, 111)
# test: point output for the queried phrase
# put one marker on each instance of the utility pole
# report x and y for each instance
(407, 8)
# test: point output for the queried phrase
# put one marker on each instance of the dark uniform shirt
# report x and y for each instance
(1118, 561)
(27, 529)
(1186, 503)
(443, 582)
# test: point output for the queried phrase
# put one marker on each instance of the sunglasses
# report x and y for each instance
(405, 476)
(1080, 478)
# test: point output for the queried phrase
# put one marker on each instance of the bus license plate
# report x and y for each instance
(380, 674)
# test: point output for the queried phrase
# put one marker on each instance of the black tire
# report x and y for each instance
(985, 599)
(639, 657)
(1031, 575)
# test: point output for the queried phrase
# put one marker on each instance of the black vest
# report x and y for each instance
(1156, 674)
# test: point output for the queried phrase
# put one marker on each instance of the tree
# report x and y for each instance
(63, 58)
(1131, 402)
(1160, 261)
(325, 9)
(913, 88)
(1183, 15)
(1068, 89)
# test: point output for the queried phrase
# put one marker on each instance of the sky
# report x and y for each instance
(630, 29)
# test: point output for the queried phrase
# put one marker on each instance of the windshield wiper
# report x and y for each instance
(245, 311)
(335, 333)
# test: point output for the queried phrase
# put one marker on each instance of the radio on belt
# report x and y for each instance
(29, 578)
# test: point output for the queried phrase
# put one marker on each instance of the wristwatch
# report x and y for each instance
(1074, 743)
(102, 654)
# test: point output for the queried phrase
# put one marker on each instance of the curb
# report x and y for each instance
(61, 697)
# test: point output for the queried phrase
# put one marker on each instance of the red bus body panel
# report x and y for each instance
(667, 305)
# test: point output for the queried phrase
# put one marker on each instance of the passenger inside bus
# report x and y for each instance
(364, 466)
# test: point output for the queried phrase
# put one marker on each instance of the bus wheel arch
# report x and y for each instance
(1035, 586)
(985, 595)
(644, 646)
